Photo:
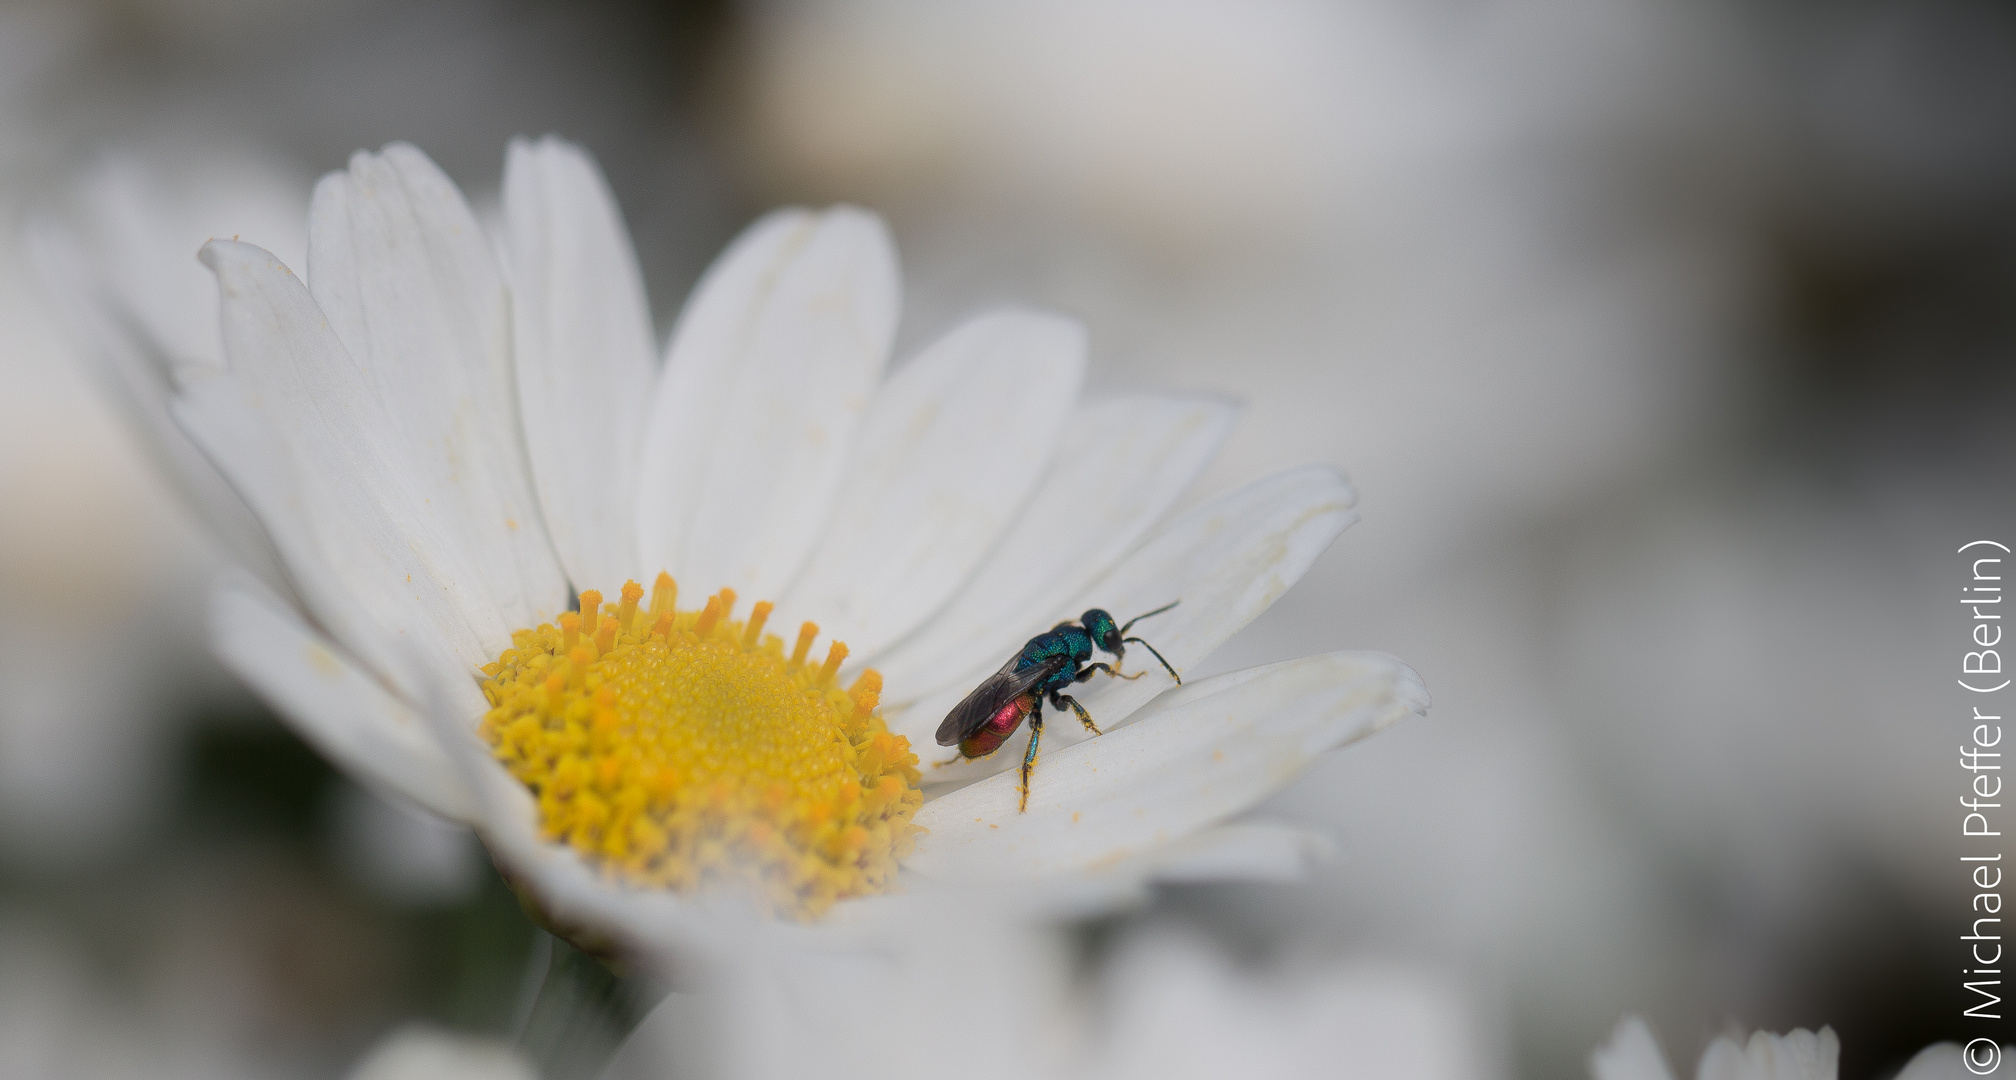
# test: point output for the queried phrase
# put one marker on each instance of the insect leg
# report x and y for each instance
(1158, 656)
(1029, 755)
(1059, 701)
(1090, 668)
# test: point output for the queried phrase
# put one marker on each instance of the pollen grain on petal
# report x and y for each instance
(687, 751)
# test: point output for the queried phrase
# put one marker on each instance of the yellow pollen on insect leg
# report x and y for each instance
(684, 750)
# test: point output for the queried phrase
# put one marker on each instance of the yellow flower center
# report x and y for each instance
(684, 749)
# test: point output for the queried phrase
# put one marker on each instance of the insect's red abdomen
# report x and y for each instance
(997, 728)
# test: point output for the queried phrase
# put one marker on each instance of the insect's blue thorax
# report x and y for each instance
(1070, 642)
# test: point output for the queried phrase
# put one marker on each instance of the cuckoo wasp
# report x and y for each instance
(1044, 668)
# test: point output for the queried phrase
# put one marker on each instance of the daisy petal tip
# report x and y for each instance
(1381, 689)
(867, 233)
(407, 164)
(330, 192)
(549, 149)
(871, 225)
(222, 256)
(403, 153)
(1413, 693)
(1346, 492)
(775, 221)
(1410, 692)
(1632, 1053)
(521, 157)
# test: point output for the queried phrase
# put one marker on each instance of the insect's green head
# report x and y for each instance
(1104, 632)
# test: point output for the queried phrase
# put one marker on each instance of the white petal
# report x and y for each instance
(1631, 1054)
(1127, 462)
(1244, 851)
(359, 539)
(406, 276)
(342, 712)
(221, 420)
(1226, 561)
(582, 339)
(701, 366)
(770, 375)
(951, 449)
(1207, 752)
(134, 370)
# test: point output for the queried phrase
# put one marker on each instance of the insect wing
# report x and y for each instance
(995, 691)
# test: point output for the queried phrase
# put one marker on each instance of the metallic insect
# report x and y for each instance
(1045, 667)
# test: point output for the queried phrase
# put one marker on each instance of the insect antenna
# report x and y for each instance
(1158, 656)
(1138, 618)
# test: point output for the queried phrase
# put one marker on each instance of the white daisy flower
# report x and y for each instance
(448, 441)
(1162, 1004)
(1633, 1054)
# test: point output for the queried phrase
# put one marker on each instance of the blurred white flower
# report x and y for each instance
(423, 1053)
(1170, 1005)
(115, 262)
(1632, 1054)
(1164, 1004)
(437, 445)
(96, 566)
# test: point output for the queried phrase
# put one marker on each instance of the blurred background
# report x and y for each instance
(1668, 343)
